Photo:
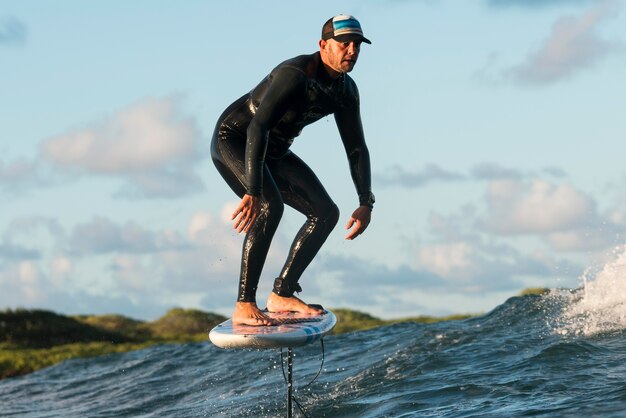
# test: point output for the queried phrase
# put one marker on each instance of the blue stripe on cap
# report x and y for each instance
(348, 24)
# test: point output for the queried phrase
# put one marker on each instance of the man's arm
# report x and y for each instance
(351, 132)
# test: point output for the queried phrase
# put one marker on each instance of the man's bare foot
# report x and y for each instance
(247, 313)
(277, 303)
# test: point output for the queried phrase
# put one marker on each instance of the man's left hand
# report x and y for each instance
(359, 221)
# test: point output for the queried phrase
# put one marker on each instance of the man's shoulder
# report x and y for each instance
(300, 60)
(306, 64)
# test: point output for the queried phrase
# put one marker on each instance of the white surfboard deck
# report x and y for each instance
(294, 330)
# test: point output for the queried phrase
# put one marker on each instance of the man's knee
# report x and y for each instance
(273, 210)
(330, 215)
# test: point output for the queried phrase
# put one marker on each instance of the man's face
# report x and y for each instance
(341, 57)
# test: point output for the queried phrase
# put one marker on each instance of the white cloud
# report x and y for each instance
(15, 170)
(101, 235)
(400, 176)
(167, 183)
(17, 252)
(200, 222)
(20, 282)
(472, 266)
(491, 171)
(484, 171)
(60, 268)
(20, 175)
(28, 273)
(558, 215)
(30, 238)
(617, 217)
(573, 45)
(441, 271)
(132, 276)
(41, 264)
(166, 259)
(228, 209)
(158, 268)
(147, 135)
(150, 145)
(448, 260)
(577, 240)
(536, 207)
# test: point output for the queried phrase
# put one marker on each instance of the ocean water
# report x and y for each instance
(557, 355)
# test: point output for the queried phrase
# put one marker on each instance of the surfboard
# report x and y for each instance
(294, 330)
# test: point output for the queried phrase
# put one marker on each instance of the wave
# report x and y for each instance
(560, 354)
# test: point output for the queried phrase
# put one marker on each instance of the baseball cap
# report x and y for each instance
(343, 28)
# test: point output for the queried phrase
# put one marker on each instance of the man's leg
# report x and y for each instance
(301, 189)
(227, 152)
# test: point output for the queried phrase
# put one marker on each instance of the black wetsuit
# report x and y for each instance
(250, 148)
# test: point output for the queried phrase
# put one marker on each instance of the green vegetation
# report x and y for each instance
(43, 329)
(185, 324)
(349, 320)
(15, 361)
(34, 339)
(534, 291)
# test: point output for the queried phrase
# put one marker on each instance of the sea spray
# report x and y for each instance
(599, 306)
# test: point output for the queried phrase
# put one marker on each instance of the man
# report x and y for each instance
(250, 148)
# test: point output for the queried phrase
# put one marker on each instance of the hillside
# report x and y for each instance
(34, 339)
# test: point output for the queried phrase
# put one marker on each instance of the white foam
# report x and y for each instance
(599, 306)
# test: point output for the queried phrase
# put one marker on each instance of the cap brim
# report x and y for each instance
(351, 37)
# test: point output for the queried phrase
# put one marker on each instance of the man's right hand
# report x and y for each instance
(246, 213)
(359, 221)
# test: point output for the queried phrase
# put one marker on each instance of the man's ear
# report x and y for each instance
(322, 43)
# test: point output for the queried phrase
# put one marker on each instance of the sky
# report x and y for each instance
(494, 128)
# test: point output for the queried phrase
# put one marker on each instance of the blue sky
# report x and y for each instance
(495, 129)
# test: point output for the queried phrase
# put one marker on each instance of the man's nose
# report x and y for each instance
(352, 49)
